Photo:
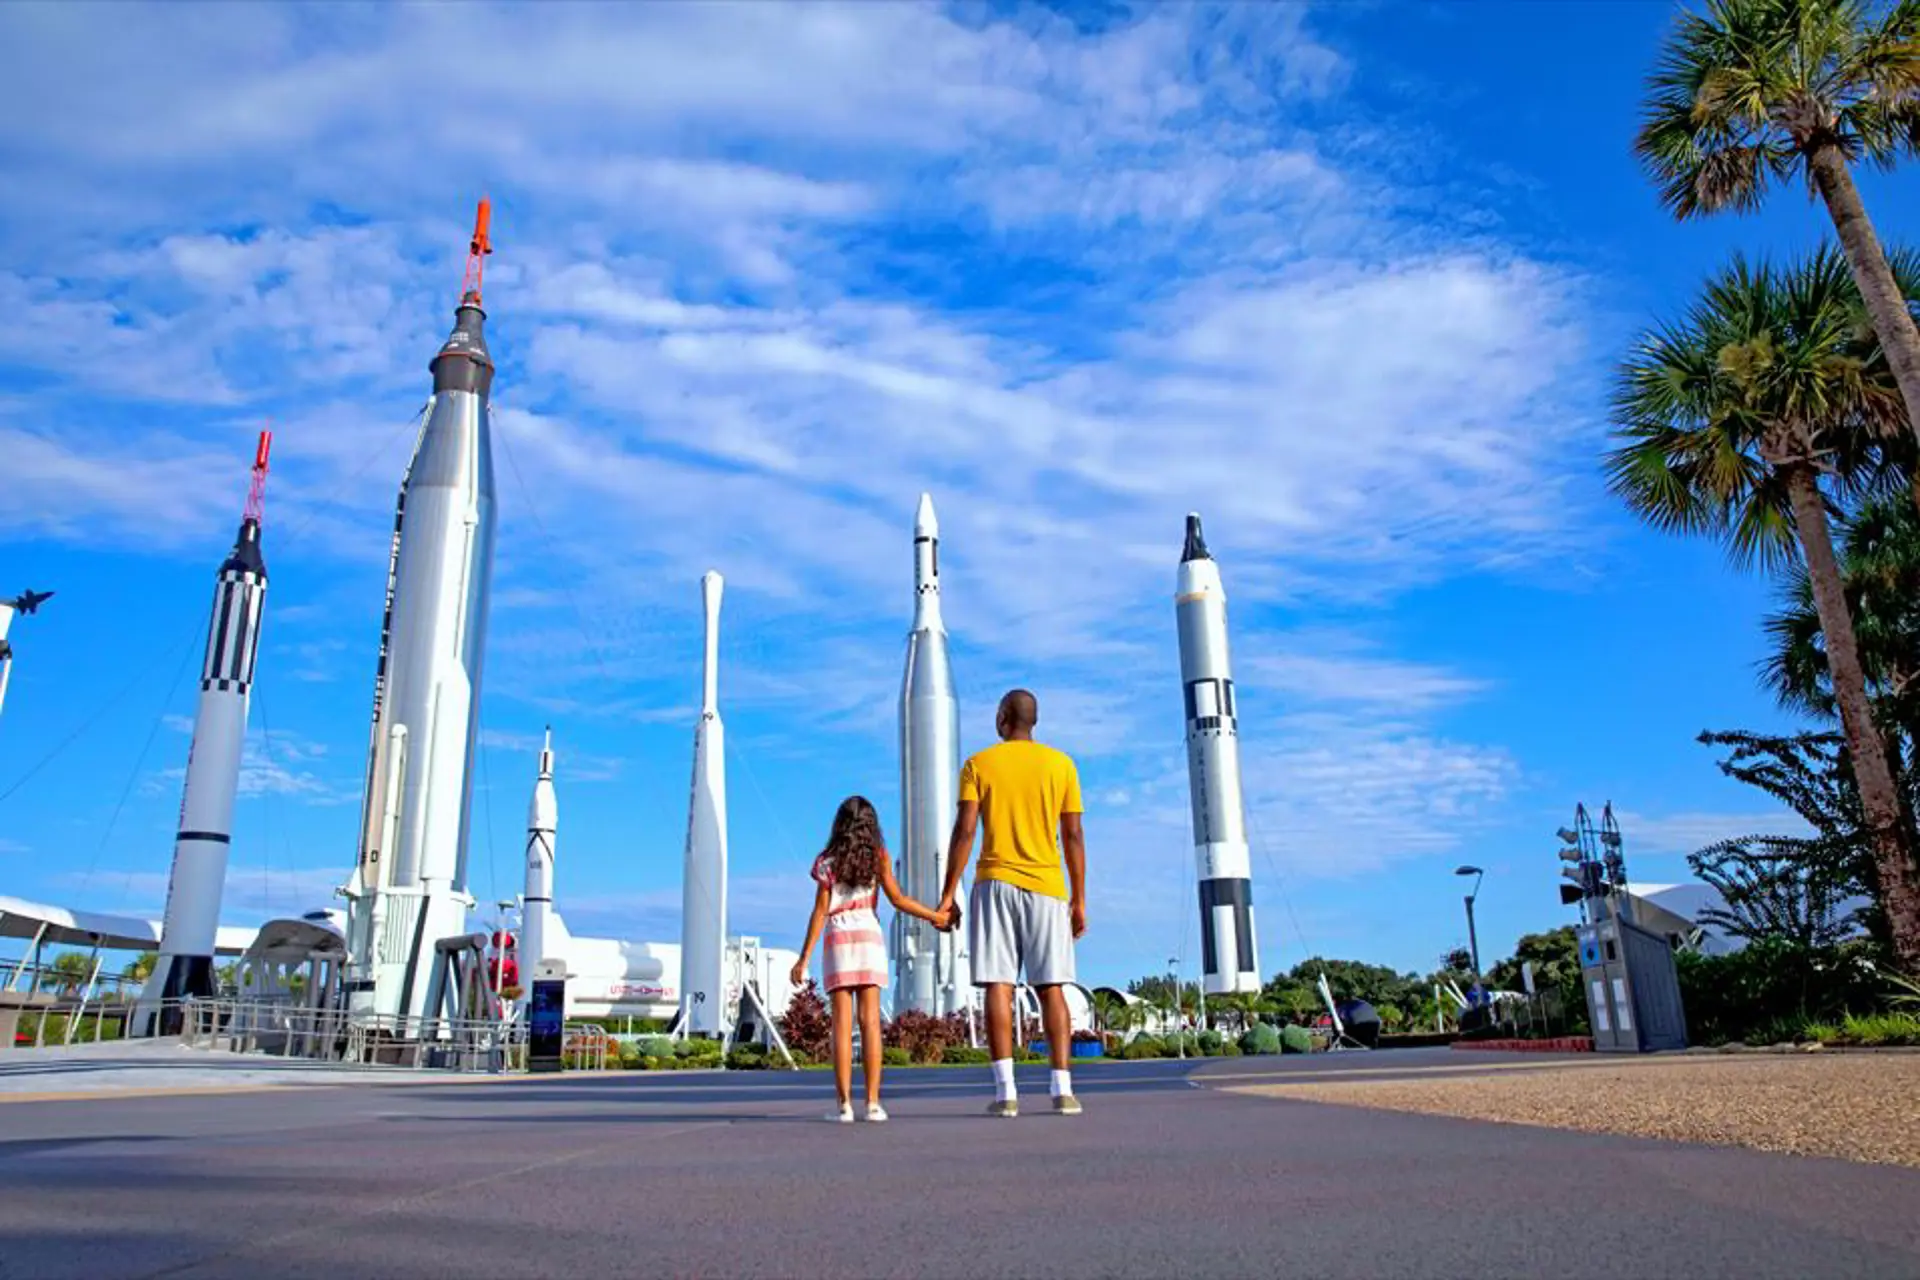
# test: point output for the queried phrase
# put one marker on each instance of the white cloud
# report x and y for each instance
(1689, 832)
(1074, 282)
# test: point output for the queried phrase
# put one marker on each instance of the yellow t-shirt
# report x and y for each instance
(1022, 788)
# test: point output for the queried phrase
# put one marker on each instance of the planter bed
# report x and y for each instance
(1561, 1044)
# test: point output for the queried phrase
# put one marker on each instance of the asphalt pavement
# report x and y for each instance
(736, 1175)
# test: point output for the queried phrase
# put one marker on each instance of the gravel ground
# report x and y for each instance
(1853, 1106)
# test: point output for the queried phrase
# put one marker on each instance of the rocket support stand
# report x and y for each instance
(750, 993)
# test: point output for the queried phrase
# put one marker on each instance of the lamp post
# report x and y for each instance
(1473, 938)
(1179, 1033)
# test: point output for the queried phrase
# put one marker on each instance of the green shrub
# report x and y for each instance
(655, 1046)
(691, 1048)
(966, 1055)
(1230, 1049)
(1260, 1038)
(1210, 1043)
(895, 1056)
(1143, 1047)
(1880, 1029)
(1023, 1053)
(1822, 1033)
(748, 1057)
(1746, 995)
(1296, 1039)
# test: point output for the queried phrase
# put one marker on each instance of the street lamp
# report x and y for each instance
(1179, 1033)
(1473, 939)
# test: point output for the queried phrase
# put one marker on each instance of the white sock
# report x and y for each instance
(1063, 1084)
(1003, 1090)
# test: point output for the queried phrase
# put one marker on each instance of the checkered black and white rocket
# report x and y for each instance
(185, 966)
(1230, 955)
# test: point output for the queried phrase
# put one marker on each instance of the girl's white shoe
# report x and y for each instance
(844, 1115)
(876, 1113)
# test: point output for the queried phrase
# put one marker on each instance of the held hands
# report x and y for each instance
(1077, 914)
(946, 915)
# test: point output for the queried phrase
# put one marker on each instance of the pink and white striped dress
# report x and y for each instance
(853, 950)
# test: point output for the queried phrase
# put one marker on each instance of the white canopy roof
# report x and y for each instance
(67, 927)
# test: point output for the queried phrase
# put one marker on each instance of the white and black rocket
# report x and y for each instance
(543, 820)
(930, 970)
(703, 895)
(1230, 956)
(200, 845)
(409, 887)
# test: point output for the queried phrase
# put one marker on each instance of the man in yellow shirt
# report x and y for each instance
(1023, 911)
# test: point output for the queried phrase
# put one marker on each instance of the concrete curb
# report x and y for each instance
(1563, 1044)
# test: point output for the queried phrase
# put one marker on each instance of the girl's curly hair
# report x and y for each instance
(856, 845)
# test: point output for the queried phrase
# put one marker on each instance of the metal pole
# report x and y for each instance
(1179, 1033)
(1473, 940)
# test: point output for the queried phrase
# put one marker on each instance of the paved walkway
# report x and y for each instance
(704, 1174)
(156, 1067)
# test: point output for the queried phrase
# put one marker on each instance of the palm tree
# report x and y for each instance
(1728, 423)
(1880, 570)
(1756, 91)
(71, 969)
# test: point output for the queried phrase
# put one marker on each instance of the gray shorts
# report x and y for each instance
(1008, 927)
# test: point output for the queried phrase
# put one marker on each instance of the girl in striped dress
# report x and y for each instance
(850, 873)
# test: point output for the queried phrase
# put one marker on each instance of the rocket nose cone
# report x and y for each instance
(463, 362)
(925, 523)
(1196, 548)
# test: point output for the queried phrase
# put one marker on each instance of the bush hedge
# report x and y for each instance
(895, 1056)
(1260, 1039)
(1770, 988)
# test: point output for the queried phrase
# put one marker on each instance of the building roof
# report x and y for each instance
(68, 927)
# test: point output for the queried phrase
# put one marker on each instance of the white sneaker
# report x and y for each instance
(842, 1116)
(876, 1114)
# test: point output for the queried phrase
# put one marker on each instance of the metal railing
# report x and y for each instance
(286, 1029)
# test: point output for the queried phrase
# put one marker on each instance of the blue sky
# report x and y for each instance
(1345, 278)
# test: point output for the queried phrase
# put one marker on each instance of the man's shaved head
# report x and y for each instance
(1019, 712)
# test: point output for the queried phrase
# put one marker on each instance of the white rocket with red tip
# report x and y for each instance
(409, 889)
(185, 967)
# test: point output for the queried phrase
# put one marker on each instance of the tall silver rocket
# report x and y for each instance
(185, 966)
(543, 819)
(409, 889)
(1230, 956)
(703, 896)
(929, 966)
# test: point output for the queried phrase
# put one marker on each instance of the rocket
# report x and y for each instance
(703, 900)
(409, 887)
(930, 967)
(543, 816)
(24, 603)
(185, 966)
(1229, 954)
